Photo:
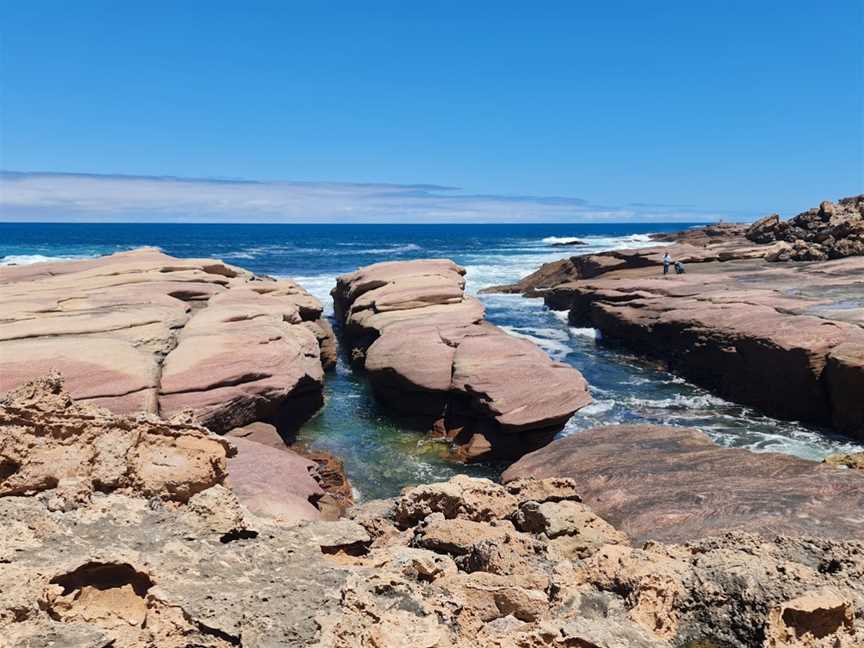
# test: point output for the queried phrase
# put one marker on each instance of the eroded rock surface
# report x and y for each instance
(786, 339)
(674, 484)
(460, 564)
(143, 331)
(50, 442)
(428, 353)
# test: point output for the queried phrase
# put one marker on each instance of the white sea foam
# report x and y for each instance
(555, 348)
(392, 249)
(591, 333)
(29, 259)
(561, 240)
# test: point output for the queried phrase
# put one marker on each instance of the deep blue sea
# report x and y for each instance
(381, 456)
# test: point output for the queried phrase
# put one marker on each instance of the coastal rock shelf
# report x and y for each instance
(673, 484)
(143, 331)
(429, 354)
(787, 338)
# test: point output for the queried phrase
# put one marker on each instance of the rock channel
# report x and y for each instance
(787, 338)
(428, 352)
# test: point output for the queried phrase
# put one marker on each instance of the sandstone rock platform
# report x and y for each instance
(143, 331)
(427, 351)
(673, 484)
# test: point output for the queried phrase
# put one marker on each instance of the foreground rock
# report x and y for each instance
(674, 484)
(144, 332)
(428, 353)
(455, 565)
(49, 441)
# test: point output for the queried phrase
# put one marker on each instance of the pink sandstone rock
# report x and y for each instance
(428, 353)
(143, 331)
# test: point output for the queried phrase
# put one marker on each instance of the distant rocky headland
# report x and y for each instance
(154, 494)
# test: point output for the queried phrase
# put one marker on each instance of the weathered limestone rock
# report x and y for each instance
(130, 572)
(143, 331)
(849, 460)
(674, 484)
(47, 440)
(428, 353)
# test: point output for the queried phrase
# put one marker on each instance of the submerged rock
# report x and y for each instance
(143, 331)
(429, 354)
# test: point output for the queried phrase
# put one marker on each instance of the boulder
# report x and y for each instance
(429, 355)
(764, 229)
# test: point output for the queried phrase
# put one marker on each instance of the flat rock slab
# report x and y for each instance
(428, 352)
(144, 331)
(788, 339)
(675, 484)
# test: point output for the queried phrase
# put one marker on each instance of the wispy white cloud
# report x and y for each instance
(107, 198)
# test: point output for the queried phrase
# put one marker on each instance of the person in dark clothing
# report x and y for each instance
(679, 267)
(666, 261)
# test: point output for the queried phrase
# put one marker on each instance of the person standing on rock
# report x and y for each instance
(667, 260)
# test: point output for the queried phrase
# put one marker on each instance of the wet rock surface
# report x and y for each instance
(674, 484)
(429, 354)
(143, 331)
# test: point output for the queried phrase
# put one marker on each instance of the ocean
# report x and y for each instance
(381, 456)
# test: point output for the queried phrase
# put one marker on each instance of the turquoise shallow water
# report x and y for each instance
(381, 455)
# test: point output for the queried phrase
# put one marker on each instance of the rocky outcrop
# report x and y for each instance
(785, 339)
(428, 353)
(461, 564)
(143, 331)
(674, 484)
(148, 561)
(830, 231)
(48, 441)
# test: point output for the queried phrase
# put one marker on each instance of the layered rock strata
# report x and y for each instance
(786, 339)
(50, 441)
(143, 331)
(674, 484)
(428, 352)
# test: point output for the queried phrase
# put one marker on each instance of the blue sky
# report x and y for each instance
(532, 111)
